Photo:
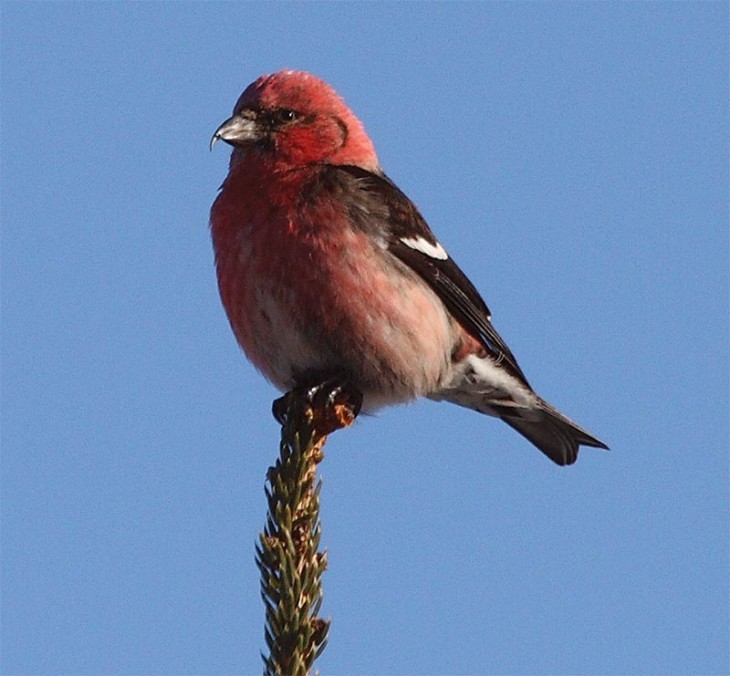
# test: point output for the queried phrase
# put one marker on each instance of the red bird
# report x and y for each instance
(328, 271)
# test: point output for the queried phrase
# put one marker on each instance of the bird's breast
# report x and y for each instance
(305, 291)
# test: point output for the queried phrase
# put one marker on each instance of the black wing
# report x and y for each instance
(411, 241)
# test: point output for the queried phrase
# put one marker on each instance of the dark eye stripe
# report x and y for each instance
(280, 116)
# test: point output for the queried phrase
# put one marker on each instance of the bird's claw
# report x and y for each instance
(332, 404)
(279, 408)
(332, 393)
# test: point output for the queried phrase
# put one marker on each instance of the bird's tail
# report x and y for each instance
(555, 435)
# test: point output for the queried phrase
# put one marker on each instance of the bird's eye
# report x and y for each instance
(284, 115)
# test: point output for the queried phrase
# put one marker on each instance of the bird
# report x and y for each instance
(328, 272)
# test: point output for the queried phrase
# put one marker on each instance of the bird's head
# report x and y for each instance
(291, 119)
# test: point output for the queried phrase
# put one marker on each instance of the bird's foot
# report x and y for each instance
(330, 404)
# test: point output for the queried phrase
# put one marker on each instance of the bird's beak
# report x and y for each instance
(237, 130)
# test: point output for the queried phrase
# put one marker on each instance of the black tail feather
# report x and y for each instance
(558, 437)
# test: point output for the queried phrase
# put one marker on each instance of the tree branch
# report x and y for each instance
(287, 553)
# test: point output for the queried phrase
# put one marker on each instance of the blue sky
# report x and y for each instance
(572, 157)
